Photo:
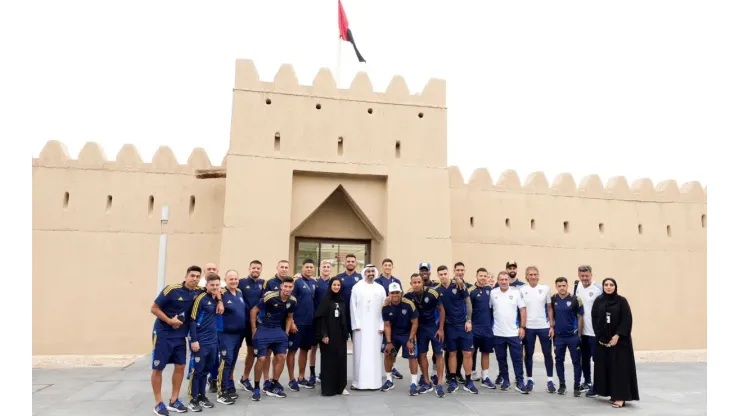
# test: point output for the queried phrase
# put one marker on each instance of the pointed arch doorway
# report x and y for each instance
(334, 250)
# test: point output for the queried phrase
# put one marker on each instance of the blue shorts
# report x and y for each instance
(274, 339)
(425, 335)
(483, 339)
(168, 351)
(304, 339)
(399, 343)
(456, 339)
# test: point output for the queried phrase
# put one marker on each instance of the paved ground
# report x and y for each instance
(667, 389)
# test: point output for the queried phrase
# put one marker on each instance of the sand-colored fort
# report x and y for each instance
(315, 171)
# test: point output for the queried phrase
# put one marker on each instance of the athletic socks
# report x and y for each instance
(484, 374)
(414, 378)
(388, 377)
(467, 378)
(313, 370)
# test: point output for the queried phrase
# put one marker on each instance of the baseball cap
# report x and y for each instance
(394, 287)
(425, 266)
(510, 264)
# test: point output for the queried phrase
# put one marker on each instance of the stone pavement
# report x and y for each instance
(670, 389)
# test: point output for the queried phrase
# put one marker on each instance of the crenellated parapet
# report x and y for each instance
(91, 156)
(591, 186)
(324, 85)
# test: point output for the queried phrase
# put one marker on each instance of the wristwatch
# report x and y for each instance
(523, 327)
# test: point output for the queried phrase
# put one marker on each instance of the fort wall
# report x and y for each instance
(321, 162)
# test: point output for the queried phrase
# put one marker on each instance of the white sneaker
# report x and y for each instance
(474, 376)
(345, 392)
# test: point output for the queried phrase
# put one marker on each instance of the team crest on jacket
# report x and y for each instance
(156, 362)
(403, 312)
(591, 294)
(568, 303)
(357, 279)
(223, 353)
(540, 291)
(511, 297)
(426, 299)
(488, 292)
(197, 359)
(287, 305)
(454, 291)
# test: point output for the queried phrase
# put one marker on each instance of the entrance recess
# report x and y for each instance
(319, 249)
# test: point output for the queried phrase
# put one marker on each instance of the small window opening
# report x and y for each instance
(601, 227)
(532, 225)
(398, 149)
(65, 203)
(639, 228)
(268, 101)
(277, 142)
(369, 110)
(472, 222)
(421, 115)
(318, 106)
(151, 205)
(108, 203)
(668, 230)
(340, 146)
(566, 227)
(508, 223)
(703, 220)
(192, 205)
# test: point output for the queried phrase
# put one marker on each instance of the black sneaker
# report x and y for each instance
(204, 402)
(232, 393)
(576, 390)
(562, 389)
(194, 406)
(212, 385)
(224, 399)
(177, 407)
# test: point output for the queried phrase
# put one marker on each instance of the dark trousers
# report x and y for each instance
(230, 344)
(572, 343)
(200, 363)
(514, 345)
(588, 349)
(530, 339)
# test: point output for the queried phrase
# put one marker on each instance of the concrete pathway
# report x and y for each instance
(670, 389)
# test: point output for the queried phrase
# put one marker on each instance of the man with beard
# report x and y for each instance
(366, 300)
(385, 279)
(459, 270)
(349, 279)
(514, 283)
(509, 316)
(304, 337)
(274, 285)
(458, 326)
(480, 296)
(251, 288)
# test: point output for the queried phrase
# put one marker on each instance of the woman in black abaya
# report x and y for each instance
(615, 373)
(331, 331)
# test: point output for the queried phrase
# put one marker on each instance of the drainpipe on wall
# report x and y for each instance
(162, 260)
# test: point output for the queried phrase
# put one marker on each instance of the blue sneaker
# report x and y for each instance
(452, 387)
(439, 391)
(435, 380)
(487, 383)
(521, 388)
(395, 374)
(161, 410)
(277, 392)
(590, 393)
(256, 396)
(413, 391)
(424, 387)
(550, 387)
(388, 385)
(499, 380)
(530, 386)
(311, 382)
(246, 385)
(293, 385)
(505, 385)
(177, 406)
(470, 387)
(267, 387)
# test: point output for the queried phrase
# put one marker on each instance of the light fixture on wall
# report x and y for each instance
(162, 257)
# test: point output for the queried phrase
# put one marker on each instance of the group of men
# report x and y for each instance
(274, 317)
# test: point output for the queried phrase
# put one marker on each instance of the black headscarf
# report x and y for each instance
(326, 307)
(619, 309)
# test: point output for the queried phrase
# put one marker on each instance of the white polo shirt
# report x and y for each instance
(506, 307)
(536, 299)
(588, 295)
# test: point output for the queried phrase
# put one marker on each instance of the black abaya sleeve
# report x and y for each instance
(624, 328)
(596, 318)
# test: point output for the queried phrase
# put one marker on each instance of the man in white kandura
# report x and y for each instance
(366, 305)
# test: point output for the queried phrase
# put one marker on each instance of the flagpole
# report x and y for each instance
(338, 73)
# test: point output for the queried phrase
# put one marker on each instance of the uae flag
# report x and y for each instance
(344, 33)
